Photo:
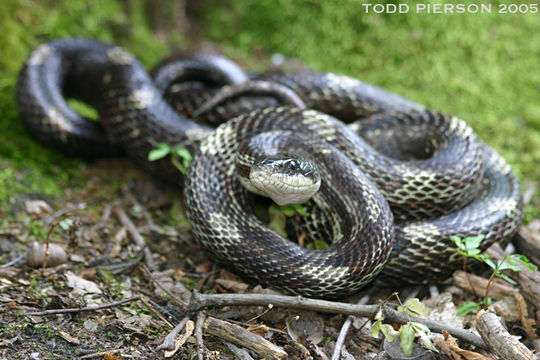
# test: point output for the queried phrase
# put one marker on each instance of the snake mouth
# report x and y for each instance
(287, 181)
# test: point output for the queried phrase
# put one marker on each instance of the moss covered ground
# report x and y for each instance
(482, 67)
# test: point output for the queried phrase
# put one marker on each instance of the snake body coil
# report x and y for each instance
(397, 181)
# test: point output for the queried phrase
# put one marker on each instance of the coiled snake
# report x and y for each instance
(428, 168)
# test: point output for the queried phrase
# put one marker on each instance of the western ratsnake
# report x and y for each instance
(429, 168)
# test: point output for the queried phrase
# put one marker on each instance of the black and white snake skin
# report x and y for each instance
(396, 184)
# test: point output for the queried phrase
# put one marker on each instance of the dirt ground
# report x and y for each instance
(103, 264)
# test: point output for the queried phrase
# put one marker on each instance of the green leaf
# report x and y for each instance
(290, 210)
(472, 252)
(375, 328)
(389, 333)
(278, 220)
(83, 109)
(457, 240)
(300, 209)
(505, 278)
(185, 155)
(487, 302)
(473, 242)
(467, 308)
(508, 264)
(65, 224)
(468, 246)
(525, 261)
(179, 166)
(490, 263)
(420, 327)
(415, 307)
(320, 244)
(287, 210)
(159, 152)
(423, 331)
(407, 338)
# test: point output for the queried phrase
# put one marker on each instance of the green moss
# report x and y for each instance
(482, 68)
(25, 24)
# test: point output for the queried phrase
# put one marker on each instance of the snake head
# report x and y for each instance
(286, 180)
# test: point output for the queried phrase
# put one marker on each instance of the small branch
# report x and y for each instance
(200, 301)
(87, 308)
(99, 354)
(468, 276)
(317, 351)
(244, 338)
(156, 312)
(181, 340)
(135, 235)
(498, 339)
(201, 316)
(498, 290)
(240, 353)
(16, 260)
(345, 329)
(169, 340)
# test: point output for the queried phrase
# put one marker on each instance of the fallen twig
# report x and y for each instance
(169, 340)
(498, 339)
(135, 235)
(19, 258)
(99, 354)
(240, 353)
(336, 355)
(181, 340)
(477, 285)
(156, 312)
(87, 308)
(200, 301)
(201, 316)
(243, 337)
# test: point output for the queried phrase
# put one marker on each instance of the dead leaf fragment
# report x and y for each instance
(233, 285)
(111, 356)
(70, 339)
(449, 346)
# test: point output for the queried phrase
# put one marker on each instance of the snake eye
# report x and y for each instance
(292, 166)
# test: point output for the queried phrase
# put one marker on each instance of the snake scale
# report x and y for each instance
(395, 180)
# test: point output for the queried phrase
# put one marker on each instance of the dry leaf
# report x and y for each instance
(236, 286)
(449, 346)
(259, 329)
(70, 339)
(111, 356)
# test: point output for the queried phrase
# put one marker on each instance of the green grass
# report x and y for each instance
(24, 24)
(482, 68)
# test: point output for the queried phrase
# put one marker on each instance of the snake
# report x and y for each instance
(388, 182)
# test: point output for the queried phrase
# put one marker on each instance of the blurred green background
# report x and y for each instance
(483, 68)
